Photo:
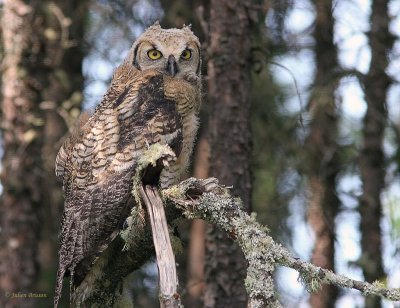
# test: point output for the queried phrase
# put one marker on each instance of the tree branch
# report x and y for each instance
(205, 199)
(218, 207)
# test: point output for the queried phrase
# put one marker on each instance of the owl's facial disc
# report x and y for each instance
(172, 66)
(180, 59)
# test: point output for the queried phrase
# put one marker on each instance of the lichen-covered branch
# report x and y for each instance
(207, 200)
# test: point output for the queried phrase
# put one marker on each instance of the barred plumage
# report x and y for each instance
(149, 101)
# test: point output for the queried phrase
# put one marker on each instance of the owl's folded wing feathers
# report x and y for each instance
(98, 163)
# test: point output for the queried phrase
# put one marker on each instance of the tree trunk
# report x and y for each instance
(229, 70)
(372, 165)
(62, 93)
(21, 174)
(195, 284)
(323, 151)
(42, 80)
(180, 12)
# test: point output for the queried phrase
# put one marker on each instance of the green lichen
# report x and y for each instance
(174, 192)
(225, 211)
(256, 246)
(312, 284)
(149, 158)
(134, 230)
(376, 285)
(393, 294)
(176, 244)
(214, 208)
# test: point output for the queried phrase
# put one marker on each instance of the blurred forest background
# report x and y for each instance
(317, 81)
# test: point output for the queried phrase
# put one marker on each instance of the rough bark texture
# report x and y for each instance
(230, 139)
(21, 174)
(322, 151)
(372, 165)
(42, 82)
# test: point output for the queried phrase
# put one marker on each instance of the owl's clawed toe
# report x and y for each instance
(167, 159)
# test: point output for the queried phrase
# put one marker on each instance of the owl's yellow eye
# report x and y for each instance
(154, 54)
(186, 54)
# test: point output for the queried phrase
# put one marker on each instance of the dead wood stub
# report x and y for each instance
(169, 296)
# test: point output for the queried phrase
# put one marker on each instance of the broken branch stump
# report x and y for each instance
(169, 297)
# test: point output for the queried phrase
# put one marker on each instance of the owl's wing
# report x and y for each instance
(97, 165)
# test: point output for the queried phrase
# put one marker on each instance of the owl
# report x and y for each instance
(154, 97)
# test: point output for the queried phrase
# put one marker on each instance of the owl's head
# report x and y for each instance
(170, 51)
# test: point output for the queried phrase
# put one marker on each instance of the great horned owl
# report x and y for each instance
(154, 97)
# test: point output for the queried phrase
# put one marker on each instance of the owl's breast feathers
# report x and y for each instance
(98, 162)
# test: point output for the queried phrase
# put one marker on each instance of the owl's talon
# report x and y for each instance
(167, 159)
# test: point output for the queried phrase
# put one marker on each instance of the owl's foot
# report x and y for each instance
(167, 158)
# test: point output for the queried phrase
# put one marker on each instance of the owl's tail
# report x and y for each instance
(59, 283)
(66, 254)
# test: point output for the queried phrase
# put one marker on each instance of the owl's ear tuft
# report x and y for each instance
(156, 25)
(187, 28)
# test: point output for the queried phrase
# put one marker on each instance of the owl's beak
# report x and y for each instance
(172, 66)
